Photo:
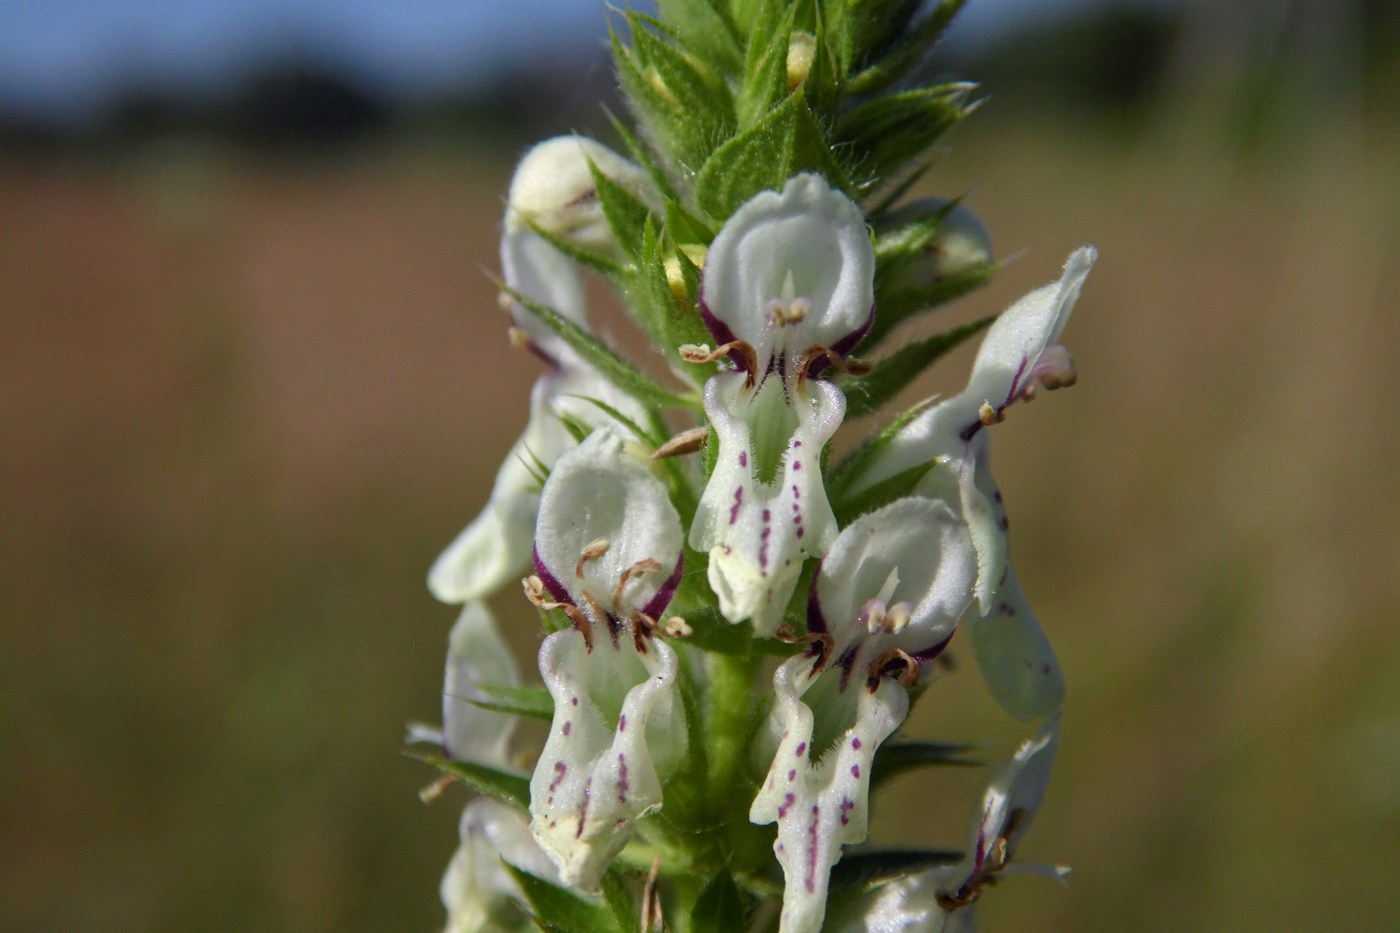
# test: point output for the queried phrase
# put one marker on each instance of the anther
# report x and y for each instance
(686, 442)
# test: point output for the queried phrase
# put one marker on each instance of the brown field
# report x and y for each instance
(243, 404)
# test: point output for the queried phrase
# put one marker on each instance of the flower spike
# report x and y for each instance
(886, 597)
(608, 551)
(786, 290)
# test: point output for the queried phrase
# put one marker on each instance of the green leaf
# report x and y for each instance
(557, 908)
(893, 129)
(897, 305)
(513, 790)
(907, 52)
(895, 758)
(782, 144)
(869, 27)
(697, 89)
(765, 71)
(642, 156)
(626, 213)
(705, 27)
(641, 433)
(600, 264)
(868, 869)
(603, 358)
(849, 508)
(720, 908)
(865, 394)
(534, 702)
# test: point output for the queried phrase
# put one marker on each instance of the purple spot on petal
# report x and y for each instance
(622, 723)
(738, 501)
(792, 775)
(743, 458)
(801, 749)
(855, 743)
(796, 465)
(787, 802)
(855, 771)
(568, 727)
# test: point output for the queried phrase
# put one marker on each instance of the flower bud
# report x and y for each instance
(960, 243)
(553, 190)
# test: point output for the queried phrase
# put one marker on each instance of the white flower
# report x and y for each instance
(1019, 352)
(607, 552)
(476, 654)
(886, 598)
(943, 900)
(477, 889)
(786, 291)
(552, 189)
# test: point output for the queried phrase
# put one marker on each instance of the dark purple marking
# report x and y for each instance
(743, 458)
(551, 583)
(662, 599)
(568, 727)
(1015, 385)
(847, 663)
(801, 749)
(1045, 669)
(767, 515)
(796, 443)
(573, 701)
(815, 621)
(855, 771)
(622, 785)
(847, 805)
(719, 330)
(855, 743)
(792, 775)
(800, 530)
(622, 723)
(560, 771)
(738, 501)
(811, 883)
(788, 800)
(1006, 609)
(933, 651)
(796, 465)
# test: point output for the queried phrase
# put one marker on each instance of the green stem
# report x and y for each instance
(730, 709)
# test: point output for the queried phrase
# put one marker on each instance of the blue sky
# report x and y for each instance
(65, 57)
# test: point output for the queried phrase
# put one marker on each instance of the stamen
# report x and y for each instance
(897, 664)
(897, 617)
(686, 442)
(435, 790)
(988, 415)
(591, 552)
(701, 353)
(872, 616)
(518, 338)
(645, 565)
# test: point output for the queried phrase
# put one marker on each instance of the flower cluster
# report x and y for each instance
(736, 625)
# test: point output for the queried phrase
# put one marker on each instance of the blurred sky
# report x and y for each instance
(63, 59)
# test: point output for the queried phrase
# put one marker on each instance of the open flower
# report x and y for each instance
(552, 190)
(608, 553)
(885, 599)
(943, 900)
(1018, 354)
(786, 292)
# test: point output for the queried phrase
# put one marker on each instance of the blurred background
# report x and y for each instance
(252, 379)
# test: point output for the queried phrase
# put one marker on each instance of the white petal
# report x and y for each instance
(914, 551)
(1014, 656)
(476, 654)
(820, 804)
(1017, 788)
(476, 885)
(613, 709)
(1020, 335)
(808, 242)
(535, 269)
(553, 189)
(601, 493)
(764, 509)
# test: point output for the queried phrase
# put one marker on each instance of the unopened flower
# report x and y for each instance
(1018, 353)
(943, 900)
(553, 189)
(608, 553)
(886, 599)
(786, 292)
(477, 889)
